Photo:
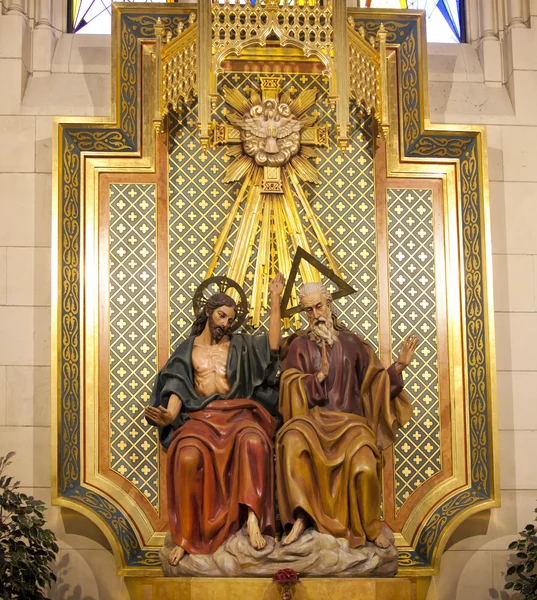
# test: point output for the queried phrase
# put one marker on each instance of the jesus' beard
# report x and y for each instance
(323, 331)
(217, 332)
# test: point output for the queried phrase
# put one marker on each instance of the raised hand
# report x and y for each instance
(160, 415)
(408, 347)
(325, 365)
(277, 284)
(275, 289)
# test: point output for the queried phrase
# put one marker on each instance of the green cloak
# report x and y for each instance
(251, 370)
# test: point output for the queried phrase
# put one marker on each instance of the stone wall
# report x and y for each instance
(474, 564)
(77, 82)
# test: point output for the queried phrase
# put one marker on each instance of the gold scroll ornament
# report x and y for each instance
(317, 27)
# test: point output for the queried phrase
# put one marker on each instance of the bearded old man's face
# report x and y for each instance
(319, 314)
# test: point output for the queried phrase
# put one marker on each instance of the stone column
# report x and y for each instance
(43, 38)
(517, 13)
(489, 20)
(483, 28)
(43, 14)
(59, 16)
(16, 7)
(520, 48)
(473, 25)
(15, 59)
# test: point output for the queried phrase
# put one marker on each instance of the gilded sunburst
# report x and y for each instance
(271, 138)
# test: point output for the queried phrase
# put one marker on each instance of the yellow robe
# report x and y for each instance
(328, 451)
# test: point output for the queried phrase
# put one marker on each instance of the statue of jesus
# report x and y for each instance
(213, 403)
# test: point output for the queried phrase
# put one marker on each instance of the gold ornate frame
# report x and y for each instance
(451, 160)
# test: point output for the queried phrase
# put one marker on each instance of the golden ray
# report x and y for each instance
(234, 151)
(308, 120)
(285, 98)
(276, 220)
(273, 256)
(303, 102)
(222, 238)
(298, 234)
(236, 100)
(255, 98)
(305, 170)
(308, 152)
(284, 258)
(313, 220)
(264, 244)
(281, 249)
(240, 256)
(262, 265)
(284, 263)
(238, 168)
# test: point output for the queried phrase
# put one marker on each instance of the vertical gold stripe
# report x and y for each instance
(238, 263)
(259, 299)
(222, 238)
(298, 235)
(281, 249)
(313, 220)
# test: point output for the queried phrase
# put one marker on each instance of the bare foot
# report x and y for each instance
(175, 555)
(254, 533)
(296, 531)
(385, 538)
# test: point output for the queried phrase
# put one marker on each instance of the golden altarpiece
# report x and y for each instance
(174, 189)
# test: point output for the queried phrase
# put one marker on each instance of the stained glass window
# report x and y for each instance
(445, 18)
(92, 16)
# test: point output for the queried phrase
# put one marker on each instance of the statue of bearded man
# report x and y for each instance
(341, 409)
(212, 403)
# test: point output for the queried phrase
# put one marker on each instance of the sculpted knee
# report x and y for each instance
(364, 461)
(293, 441)
(254, 441)
(190, 459)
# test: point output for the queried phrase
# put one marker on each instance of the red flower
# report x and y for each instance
(286, 576)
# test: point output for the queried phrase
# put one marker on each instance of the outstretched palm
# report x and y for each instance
(159, 415)
(277, 284)
(408, 348)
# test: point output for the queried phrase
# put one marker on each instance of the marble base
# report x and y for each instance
(208, 588)
(314, 554)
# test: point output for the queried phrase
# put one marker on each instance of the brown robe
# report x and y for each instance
(328, 451)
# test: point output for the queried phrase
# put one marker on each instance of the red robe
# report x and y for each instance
(221, 451)
(220, 463)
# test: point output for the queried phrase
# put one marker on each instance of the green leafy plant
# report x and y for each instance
(524, 579)
(27, 549)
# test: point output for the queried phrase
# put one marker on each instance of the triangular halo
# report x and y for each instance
(344, 289)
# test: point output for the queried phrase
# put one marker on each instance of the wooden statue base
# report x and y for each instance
(209, 588)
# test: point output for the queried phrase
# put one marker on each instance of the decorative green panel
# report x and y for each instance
(413, 310)
(133, 335)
